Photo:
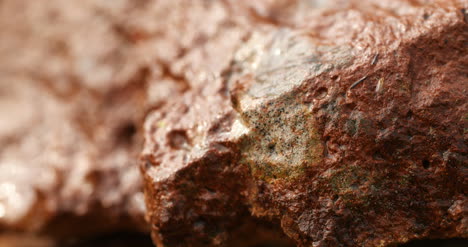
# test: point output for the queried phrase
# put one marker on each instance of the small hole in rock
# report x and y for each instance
(426, 164)
(378, 156)
(177, 139)
(409, 115)
(321, 93)
(271, 147)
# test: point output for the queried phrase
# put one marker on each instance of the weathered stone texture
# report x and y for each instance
(77, 79)
(322, 123)
(345, 125)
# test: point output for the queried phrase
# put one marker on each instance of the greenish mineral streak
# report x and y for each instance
(346, 183)
(342, 180)
(283, 140)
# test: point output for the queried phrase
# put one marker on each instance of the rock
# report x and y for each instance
(342, 125)
(76, 80)
(321, 123)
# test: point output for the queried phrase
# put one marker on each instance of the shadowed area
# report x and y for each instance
(437, 243)
(129, 239)
(121, 239)
(133, 239)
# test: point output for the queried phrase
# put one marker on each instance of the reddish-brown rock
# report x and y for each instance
(76, 80)
(343, 125)
(339, 123)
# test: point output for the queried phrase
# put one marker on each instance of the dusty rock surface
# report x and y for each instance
(277, 123)
(76, 81)
(345, 125)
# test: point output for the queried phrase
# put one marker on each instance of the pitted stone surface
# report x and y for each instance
(344, 128)
(308, 123)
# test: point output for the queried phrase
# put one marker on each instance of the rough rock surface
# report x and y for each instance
(338, 123)
(345, 125)
(76, 80)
